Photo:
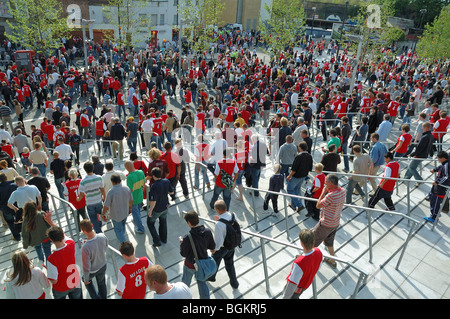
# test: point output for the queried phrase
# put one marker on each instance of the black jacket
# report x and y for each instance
(442, 178)
(117, 132)
(203, 240)
(423, 149)
(302, 165)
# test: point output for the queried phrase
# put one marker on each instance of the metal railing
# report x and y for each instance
(73, 222)
(362, 274)
(398, 179)
(368, 210)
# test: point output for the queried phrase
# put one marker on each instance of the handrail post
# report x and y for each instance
(366, 198)
(204, 181)
(56, 211)
(405, 244)
(254, 210)
(314, 288)
(114, 262)
(264, 260)
(190, 173)
(68, 223)
(358, 284)
(286, 216)
(369, 225)
(408, 189)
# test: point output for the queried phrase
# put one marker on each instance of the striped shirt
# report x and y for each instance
(5, 111)
(333, 203)
(90, 186)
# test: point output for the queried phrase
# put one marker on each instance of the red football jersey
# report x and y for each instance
(131, 280)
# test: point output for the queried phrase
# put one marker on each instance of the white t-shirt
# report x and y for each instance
(179, 290)
(64, 151)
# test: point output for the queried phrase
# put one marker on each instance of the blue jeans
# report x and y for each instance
(197, 175)
(350, 187)
(160, 235)
(202, 286)
(412, 170)
(344, 148)
(226, 194)
(256, 174)
(93, 210)
(402, 110)
(137, 220)
(120, 230)
(42, 169)
(285, 169)
(157, 139)
(294, 187)
(59, 185)
(74, 293)
(132, 141)
(43, 248)
(119, 110)
(169, 137)
(101, 283)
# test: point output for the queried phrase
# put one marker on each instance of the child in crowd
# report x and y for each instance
(24, 158)
(315, 191)
(276, 184)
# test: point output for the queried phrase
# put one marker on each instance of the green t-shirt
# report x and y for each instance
(136, 182)
(336, 141)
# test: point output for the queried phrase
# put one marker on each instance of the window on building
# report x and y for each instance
(161, 19)
(154, 19)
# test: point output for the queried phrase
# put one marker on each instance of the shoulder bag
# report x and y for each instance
(205, 268)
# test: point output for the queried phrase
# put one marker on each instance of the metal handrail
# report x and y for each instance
(73, 209)
(362, 273)
(368, 210)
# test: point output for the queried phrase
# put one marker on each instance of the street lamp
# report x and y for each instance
(83, 23)
(312, 24)
(342, 30)
(422, 13)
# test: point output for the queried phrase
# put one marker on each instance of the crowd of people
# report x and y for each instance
(231, 116)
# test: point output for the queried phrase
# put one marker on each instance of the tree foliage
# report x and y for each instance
(435, 42)
(376, 39)
(128, 19)
(283, 25)
(199, 19)
(37, 24)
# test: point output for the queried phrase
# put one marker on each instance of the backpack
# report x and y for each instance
(226, 179)
(233, 237)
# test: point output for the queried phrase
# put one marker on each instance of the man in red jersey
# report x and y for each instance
(386, 187)
(130, 280)
(304, 267)
(62, 268)
(156, 126)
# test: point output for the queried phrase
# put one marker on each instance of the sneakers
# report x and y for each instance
(429, 219)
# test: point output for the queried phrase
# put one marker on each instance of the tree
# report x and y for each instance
(128, 19)
(37, 24)
(374, 31)
(283, 25)
(435, 42)
(199, 19)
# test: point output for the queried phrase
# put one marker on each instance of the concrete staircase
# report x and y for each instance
(422, 273)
